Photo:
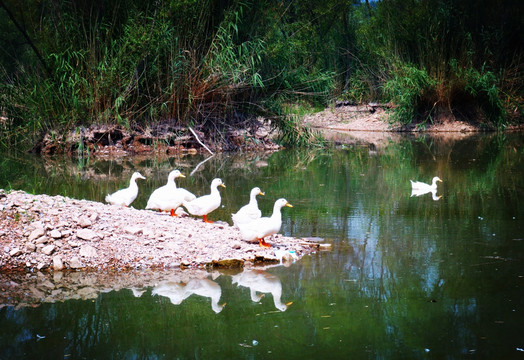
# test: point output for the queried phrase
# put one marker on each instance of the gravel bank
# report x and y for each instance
(41, 232)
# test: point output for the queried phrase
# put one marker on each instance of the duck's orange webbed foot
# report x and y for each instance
(263, 243)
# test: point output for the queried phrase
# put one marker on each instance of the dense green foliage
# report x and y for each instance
(69, 63)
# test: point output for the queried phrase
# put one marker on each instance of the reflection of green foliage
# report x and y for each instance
(403, 271)
(294, 134)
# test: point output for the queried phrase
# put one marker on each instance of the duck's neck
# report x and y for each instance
(171, 182)
(276, 213)
(132, 183)
(214, 191)
(253, 201)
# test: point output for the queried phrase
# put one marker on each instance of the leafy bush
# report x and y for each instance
(406, 88)
(205, 62)
(482, 88)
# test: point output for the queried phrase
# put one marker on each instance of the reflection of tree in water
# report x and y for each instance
(400, 265)
(92, 178)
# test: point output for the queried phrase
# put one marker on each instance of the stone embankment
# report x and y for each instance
(41, 232)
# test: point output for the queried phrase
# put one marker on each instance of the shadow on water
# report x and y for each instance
(407, 276)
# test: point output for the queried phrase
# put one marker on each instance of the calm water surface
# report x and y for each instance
(407, 276)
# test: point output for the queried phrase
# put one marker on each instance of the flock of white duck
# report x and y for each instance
(248, 219)
(169, 197)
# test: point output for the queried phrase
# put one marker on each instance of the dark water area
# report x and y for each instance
(407, 276)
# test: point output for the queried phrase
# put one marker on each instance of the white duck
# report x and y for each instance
(128, 195)
(259, 281)
(169, 197)
(265, 226)
(417, 185)
(249, 212)
(203, 205)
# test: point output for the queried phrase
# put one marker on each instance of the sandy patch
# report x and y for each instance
(371, 125)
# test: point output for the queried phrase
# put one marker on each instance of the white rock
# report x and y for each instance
(148, 232)
(133, 230)
(87, 251)
(41, 240)
(75, 263)
(57, 263)
(55, 234)
(84, 222)
(66, 233)
(37, 225)
(15, 252)
(48, 250)
(86, 234)
(36, 233)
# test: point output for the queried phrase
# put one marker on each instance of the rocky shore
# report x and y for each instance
(53, 233)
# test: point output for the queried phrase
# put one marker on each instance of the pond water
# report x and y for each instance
(406, 276)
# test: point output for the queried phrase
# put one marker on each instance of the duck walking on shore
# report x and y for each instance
(125, 197)
(265, 226)
(169, 197)
(203, 205)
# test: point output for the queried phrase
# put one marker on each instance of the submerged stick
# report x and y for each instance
(200, 142)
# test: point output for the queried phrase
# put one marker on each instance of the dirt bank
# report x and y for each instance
(371, 125)
(41, 232)
(160, 139)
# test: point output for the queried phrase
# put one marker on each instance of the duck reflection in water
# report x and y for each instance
(420, 192)
(137, 292)
(179, 291)
(259, 281)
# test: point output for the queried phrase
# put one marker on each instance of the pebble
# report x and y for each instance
(86, 234)
(57, 263)
(84, 222)
(55, 234)
(35, 234)
(75, 263)
(87, 251)
(15, 252)
(48, 250)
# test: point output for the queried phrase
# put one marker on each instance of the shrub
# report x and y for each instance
(406, 88)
